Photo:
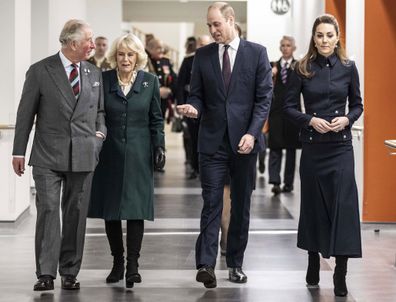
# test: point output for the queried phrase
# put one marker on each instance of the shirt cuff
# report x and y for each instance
(101, 134)
(19, 156)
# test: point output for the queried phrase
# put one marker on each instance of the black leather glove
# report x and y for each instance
(159, 158)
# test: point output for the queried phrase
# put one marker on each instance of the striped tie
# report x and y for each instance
(284, 73)
(74, 80)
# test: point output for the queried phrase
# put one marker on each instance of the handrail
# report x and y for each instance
(391, 144)
(358, 130)
(3, 126)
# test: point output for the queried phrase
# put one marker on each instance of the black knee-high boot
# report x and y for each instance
(340, 288)
(135, 229)
(114, 235)
(312, 277)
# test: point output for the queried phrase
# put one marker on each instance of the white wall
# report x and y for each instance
(355, 48)
(48, 18)
(105, 17)
(172, 34)
(267, 28)
(15, 31)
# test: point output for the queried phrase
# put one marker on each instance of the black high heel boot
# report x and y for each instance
(114, 235)
(312, 277)
(135, 229)
(117, 272)
(340, 288)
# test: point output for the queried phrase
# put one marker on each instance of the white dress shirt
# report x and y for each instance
(232, 52)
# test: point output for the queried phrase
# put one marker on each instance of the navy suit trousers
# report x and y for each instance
(214, 169)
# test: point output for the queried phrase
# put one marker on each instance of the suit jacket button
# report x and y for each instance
(336, 111)
(310, 138)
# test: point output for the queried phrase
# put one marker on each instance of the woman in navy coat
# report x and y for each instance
(123, 183)
(329, 218)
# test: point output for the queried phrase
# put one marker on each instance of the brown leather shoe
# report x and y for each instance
(44, 283)
(70, 283)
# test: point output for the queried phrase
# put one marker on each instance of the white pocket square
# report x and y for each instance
(96, 84)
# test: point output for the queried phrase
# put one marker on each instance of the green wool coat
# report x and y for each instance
(123, 183)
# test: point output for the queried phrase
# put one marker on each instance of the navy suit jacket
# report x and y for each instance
(243, 109)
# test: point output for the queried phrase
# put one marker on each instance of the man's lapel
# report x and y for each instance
(58, 73)
(239, 59)
(214, 56)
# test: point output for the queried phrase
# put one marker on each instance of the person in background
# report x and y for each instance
(329, 217)
(163, 68)
(233, 106)
(64, 94)
(183, 88)
(203, 40)
(99, 58)
(283, 134)
(123, 183)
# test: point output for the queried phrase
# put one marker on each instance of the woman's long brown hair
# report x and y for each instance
(303, 66)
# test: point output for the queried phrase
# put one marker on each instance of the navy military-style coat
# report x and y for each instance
(325, 96)
(123, 184)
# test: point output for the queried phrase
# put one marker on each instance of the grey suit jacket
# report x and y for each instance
(65, 137)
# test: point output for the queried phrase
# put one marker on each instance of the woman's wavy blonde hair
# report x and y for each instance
(131, 42)
(303, 66)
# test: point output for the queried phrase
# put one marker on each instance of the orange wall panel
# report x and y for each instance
(337, 8)
(379, 197)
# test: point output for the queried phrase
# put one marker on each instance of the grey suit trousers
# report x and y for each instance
(55, 243)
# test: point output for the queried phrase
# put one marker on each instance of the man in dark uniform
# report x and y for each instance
(183, 90)
(99, 59)
(282, 133)
(162, 67)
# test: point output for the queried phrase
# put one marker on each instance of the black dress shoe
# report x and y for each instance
(287, 188)
(44, 283)
(70, 283)
(236, 275)
(276, 189)
(207, 276)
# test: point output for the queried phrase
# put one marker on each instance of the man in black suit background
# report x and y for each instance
(283, 134)
(231, 90)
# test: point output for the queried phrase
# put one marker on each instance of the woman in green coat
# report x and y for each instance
(123, 183)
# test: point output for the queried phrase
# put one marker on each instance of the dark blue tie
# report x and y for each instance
(226, 67)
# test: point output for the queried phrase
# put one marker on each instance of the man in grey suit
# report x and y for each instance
(65, 95)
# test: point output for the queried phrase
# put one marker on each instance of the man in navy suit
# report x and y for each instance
(231, 91)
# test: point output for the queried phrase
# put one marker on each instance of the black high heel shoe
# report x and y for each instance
(312, 278)
(340, 288)
(117, 272)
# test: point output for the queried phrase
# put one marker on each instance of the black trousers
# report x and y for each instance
(193, 127)
(275, 163)
(214, 170)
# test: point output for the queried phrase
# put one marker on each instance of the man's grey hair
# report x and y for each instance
(72, 31)
(290, 39)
